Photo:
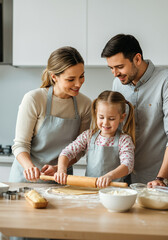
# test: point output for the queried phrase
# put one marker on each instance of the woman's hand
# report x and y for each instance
(155, 183)
(61, 177)
(32, 173)
(103, 181)
(49, 170)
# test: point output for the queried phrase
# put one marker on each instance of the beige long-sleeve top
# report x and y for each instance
(32, 111)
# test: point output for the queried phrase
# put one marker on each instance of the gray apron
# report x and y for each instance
(102, 159)
(53, 136)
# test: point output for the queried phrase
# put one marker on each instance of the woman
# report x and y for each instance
(50, 117)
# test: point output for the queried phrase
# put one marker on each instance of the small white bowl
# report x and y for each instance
(117, 199)
(138, 186)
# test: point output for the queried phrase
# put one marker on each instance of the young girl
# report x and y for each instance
(110, 151)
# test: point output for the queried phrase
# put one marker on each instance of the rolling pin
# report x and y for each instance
(81, 181)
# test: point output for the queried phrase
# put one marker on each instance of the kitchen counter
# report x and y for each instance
(4, 159)
(6, 163)
(75, 218)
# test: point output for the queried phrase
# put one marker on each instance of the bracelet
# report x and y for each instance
(163, 180)
(159, 178)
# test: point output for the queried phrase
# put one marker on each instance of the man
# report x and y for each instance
(146, 87)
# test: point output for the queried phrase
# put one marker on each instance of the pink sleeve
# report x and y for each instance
(77, 146)
(126, 152)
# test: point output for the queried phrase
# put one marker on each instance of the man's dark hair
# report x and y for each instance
(122, 43)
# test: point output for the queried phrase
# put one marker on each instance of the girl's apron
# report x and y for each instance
(102, 159)
(53, 136)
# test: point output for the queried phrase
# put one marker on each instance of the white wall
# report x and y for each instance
(15, 82)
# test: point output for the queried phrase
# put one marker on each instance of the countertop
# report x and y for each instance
(78, 218)
(4, 159)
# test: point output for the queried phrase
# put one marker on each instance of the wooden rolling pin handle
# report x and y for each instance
(47, 178)
(119, 184)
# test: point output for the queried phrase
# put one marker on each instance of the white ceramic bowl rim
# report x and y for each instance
(109, 189)
(117, 202)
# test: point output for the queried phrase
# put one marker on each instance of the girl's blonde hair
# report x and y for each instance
(115, 98)
(58, 62)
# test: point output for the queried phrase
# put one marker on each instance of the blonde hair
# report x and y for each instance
(58, 62)
(115, 98)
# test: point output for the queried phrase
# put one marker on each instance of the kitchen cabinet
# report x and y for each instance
(5, 167)
(4, 173)
(146, 20)
(79, 168)
(41, 26)
(6, 163)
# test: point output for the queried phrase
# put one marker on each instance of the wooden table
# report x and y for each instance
(76, 219)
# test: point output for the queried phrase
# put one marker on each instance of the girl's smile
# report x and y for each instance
(108, 118)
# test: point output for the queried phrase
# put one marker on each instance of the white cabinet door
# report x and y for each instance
(146, 19)
(79, 168)
(41, 26)
(4, 173)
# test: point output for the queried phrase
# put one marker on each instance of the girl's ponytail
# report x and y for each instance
(129, 126)
(94, 126)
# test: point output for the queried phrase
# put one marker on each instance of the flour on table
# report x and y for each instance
(87, 200)
(73, 190)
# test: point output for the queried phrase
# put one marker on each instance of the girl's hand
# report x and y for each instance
(49, 170)
(32, 173)
(155, 183)
(103, 181)
(61, 177)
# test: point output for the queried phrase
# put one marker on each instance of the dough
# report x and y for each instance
(35, 199)
(72, 190)
(35, 196)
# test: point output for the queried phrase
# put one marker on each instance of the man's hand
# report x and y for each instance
(49, 170)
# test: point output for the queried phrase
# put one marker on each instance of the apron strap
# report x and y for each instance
(116, 138)
(49, 101)
(94, 136)
(76, 108)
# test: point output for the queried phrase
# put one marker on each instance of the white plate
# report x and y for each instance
(3, 187)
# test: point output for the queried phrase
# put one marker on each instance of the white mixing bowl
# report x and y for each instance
(154, 198)
(117, 199)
